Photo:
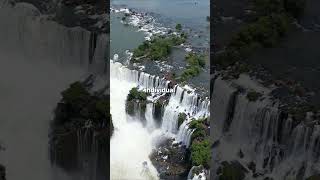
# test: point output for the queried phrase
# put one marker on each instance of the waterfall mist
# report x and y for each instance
(38, 60)
(131, 143)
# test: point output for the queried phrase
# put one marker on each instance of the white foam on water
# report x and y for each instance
(131, 143)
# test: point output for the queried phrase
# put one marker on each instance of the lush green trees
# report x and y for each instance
(78, 106)
(135, 94)
(201, 153)
(272, 22)
(76, 95)
(200, 143)
(194, 64)
(159, 47)
(136, 98)
(181, 118)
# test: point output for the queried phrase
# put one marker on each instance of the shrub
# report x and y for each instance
(76, 95)
(201, 153)
(181, 118)
(253, 95)
(134, 94)
(195, 60)
(158, 48)
(179, 27)
(199, 127)
(232, 171)
(194, 64)
(314, 177)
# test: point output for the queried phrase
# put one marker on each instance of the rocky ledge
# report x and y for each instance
(81, 131)
(171, 160)
(2, 172)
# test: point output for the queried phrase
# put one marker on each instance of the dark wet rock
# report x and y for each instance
(2, 172)
(88, 14)
(158, 111)
(136, 103)
(137, 108)
(215, 144)
(171, 161)
(314, 177)
(81, 131)
(197, 172)
(252, 166)
(232, 171)
(240, 154)
(181, 118)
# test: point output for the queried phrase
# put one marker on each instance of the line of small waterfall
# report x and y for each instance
(280, 146)
(183, 100)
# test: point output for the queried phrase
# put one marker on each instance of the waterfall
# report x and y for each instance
(141, 79)
(184, 100)
(131, 143)
(280, 146)
(151, 125)
(37, 38)
(40, 58)
(184, 134)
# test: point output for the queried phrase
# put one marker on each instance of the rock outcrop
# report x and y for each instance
(2, 172)
(81, 130)
(171, 161)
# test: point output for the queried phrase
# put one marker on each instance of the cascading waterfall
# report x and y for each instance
(52, 56)
(131, 143)
(37, 38)
(280, 147)
(151, 124)
(183, 100)
(184, 134)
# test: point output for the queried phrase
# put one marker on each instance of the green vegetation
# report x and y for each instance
(232, 171)
(314, 177)
(201, 153)
(158, 48)
(271, 24)
(200, 129)
(200, 144)
(78, 103)
(265, 32)
(134, 94)
(76, 95)
(194, 64)
(253, 96)
(178, 27)
(181, 118)
(136, 98)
